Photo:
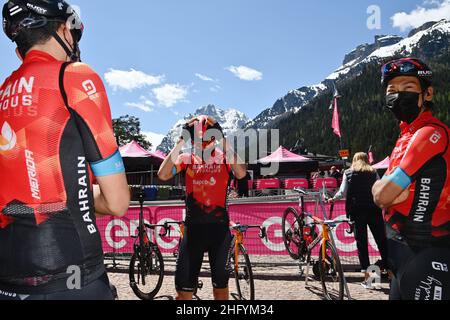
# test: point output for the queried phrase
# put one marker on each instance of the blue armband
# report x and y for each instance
(174, 170)
(400, 178)
(110, 166)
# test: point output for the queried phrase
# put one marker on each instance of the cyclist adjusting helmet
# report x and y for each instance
(416, 188)
(56, 135)
(207, 173)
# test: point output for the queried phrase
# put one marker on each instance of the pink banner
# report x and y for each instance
(116, 233)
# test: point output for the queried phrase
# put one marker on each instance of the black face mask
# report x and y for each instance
(404, 105)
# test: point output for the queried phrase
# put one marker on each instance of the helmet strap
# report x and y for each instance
(72, 53)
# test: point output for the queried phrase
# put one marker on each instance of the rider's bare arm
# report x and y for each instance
(112, 195)
(394, 187)
(168, 168)
(237, 165)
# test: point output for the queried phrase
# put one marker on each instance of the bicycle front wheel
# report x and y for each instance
(146, 276)
(292, 228)
(331, 273)
(243, 274)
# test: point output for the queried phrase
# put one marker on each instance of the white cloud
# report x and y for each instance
(145, 104)
(170, 94)
(216, 88)
(204, 78)
(154, 138)
(130, 80)
(432, 10)
(245, 73)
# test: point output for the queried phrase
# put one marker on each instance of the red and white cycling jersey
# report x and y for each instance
(56, 131)
(422, 152)
(207, 183)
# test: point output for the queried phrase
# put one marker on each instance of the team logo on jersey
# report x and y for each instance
(89, 87)
(435, 137)
(8, 138)
(438, 266)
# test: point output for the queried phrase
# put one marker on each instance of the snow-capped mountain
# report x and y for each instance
(231, 120)
(292, 102)
(431, 39)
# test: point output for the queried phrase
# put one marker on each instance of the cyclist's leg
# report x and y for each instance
(218, 253)
(399, 256)
(97, 290)
(189, 262)
(426, 276)
(377, 227)
(361, 238)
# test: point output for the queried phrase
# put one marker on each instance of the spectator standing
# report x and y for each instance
(357, 187)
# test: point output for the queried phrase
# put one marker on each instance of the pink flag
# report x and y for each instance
(336, 126)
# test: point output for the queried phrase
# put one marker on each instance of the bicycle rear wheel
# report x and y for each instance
(331, 273)
(146, 280)
(243, 275)
(292, 227)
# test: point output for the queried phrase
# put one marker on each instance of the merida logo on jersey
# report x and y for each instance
(424, 200)
(83, 195)
(17, 93)
(32, 175)
(8, 138)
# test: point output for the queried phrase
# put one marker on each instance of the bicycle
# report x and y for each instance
(240, 265)
(300, 230)
(167, 231)
(146, 271)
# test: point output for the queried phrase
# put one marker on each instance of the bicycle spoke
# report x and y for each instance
(331, 274)
(146, 276)
(244, 278)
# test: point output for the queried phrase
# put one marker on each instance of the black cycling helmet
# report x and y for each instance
(407, 67)
(20, 15)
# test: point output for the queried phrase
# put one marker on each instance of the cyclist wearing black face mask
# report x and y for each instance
(416, 188)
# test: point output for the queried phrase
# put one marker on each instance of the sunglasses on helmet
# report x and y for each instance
(406, 66)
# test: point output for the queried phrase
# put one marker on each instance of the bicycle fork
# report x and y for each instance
(239, 239)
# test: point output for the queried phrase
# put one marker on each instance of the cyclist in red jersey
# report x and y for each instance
(416, 188)
(56, 136)
(208, 174)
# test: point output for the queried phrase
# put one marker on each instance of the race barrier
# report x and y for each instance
(116, 233)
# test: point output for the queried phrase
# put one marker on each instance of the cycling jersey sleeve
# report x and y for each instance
(88, 102)
(426, 144)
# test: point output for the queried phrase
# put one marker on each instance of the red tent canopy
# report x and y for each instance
(283, 155)
(134, 150)
(383, 164)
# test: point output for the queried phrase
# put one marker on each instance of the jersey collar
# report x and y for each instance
(38, 56)
(420, 122)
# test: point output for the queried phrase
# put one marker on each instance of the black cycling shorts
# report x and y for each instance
(420, 274)
(97, 290)
(215, 239)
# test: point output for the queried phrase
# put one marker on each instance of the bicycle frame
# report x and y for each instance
(238, 239)
(325, 234)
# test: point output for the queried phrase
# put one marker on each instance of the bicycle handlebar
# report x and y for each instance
(166, 227)
(328, 222)
(244, 228)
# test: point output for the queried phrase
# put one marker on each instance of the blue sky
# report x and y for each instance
(241, 54)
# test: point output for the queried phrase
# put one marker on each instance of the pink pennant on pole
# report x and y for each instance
(336, 126)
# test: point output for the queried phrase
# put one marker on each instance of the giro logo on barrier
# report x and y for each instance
(274, 226)
(117, 233)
